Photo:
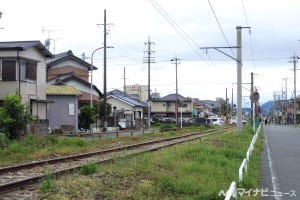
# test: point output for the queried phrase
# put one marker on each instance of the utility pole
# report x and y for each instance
(176, 103)
(294, 61)
(124, 79)
(232, 101)
(285, 99)
(104, 73)
(149, 60)
(251, 91)
(238, 60)
(239, 77)
(226, 104)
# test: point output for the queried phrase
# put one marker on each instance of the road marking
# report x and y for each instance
(273, 174)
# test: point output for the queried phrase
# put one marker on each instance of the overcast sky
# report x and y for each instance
(177, 28)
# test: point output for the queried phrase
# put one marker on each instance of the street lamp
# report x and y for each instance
(91, 89)
(92, 68)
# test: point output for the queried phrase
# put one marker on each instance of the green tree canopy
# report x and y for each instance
(87, 116)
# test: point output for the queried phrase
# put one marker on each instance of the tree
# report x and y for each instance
(108, 109)
(87, 116)
(14, 116)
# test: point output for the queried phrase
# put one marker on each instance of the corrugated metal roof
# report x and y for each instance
(62, 90)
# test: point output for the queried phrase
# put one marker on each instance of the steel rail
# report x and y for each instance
(14, 168)
(16, 185)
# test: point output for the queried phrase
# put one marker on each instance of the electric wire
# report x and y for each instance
(250, 36)
(190, 42)
(219, 24)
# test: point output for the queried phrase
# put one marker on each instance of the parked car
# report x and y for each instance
(197, 121)
(233, 120)
(217, 121)
(169, 120)
(122, 125)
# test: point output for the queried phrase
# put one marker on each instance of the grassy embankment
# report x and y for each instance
(194, 170)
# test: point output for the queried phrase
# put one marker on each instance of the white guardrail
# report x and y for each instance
(232, 191)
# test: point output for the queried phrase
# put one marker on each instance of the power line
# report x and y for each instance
(250, 35)
(216, 18)
(190, 42)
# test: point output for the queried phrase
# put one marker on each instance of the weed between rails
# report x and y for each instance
(193, 170)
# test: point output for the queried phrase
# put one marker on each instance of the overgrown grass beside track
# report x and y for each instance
(34, 148)
(194, 170)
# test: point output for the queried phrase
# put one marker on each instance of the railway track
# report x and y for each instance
(13, 178)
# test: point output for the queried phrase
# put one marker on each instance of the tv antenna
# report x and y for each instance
(49, 40)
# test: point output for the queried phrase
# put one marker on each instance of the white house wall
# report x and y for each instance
(36, 90)
(119, 104)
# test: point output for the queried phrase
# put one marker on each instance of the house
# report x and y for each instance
(137, 91)
(206, 107)
(127, 108)
(166, 106)
(67, 69)
(63, 112)
(23, 70)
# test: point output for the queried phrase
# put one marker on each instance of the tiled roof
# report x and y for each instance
(68, 55)
(172, 97)
(62, 90)
(23, 45)
(126, 98)
(61, 79)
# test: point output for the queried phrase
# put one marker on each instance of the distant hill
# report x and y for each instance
(267, 107)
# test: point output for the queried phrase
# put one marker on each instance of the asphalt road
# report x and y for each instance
(281, 163)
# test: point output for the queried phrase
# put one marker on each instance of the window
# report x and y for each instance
(71, 109)
(28, 71)
(8, 70)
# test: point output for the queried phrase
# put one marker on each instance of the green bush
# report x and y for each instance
(88, 168)
(14, 116)
(168, 126)
(4, 141)
(47, 185)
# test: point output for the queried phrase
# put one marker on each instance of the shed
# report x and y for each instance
(63, 112)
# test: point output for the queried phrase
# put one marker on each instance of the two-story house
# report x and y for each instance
(166, 106)
(67, 69)
(127, 108)
(23, 70)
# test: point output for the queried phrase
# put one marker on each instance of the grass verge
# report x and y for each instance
(195, 170)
